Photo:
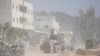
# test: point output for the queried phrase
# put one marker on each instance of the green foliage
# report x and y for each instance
(86, 23)
(1, 28)
(10, 34)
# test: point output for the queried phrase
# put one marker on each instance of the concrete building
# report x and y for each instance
(45, 23)
(19, 13)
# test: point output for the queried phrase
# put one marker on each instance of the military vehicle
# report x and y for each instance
(54, 43)
(91, 44)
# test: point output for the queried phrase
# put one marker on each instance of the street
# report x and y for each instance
(37, 52)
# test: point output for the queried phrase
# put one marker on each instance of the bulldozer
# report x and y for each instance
(55, 43)
(91, 48)
(91, 44)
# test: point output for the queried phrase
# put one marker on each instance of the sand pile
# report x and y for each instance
(87, 52)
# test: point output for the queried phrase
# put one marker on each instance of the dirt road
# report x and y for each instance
(35, 51)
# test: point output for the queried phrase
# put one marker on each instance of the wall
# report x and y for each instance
(5, 11)
(41, 21)
(19, 15)
(10, 12)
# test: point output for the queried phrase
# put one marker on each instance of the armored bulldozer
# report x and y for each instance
(54, 43)
(91, 44)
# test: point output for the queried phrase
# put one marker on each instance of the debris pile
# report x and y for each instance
(87, 52)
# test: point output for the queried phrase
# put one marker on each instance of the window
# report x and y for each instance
(39, 19)
(17, 20)
(13, 6)
(31, 12)
(26, 23)
(16, 7)
(37, 26)
(29, 23)
(32, 24)
(46, 26)
(13, 19)
(22, 20)
(28, 11)
(23, 9)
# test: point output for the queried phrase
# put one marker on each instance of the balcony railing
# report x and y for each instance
(23, 9)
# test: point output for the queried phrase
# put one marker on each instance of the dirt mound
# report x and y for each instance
(86, 52)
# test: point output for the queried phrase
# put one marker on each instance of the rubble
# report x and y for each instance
(87, 52)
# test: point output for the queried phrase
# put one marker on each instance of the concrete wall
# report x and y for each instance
(28, 16)
(10, 12)
(42, 21)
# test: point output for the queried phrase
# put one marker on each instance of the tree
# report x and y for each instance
(81, 12)
(10, 34)
(86, 23)
(1, 29)
(90, 13)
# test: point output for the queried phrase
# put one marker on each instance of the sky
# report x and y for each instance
(70, 7)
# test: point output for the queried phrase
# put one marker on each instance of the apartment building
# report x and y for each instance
(19, 13)
(45, 23)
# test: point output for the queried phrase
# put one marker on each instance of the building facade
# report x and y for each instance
(19, 13)
(45, 23)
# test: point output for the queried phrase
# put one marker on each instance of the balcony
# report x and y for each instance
(23, 9)
(23, 20)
